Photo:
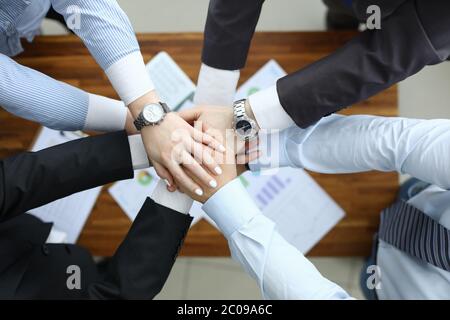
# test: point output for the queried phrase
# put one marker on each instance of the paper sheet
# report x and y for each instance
(68, 214)
(264, 78)
(301, 209)
(172, 84)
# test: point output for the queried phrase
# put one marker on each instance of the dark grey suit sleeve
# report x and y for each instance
(143, 261)
(415, 35)
(32, 179)
(229, 29)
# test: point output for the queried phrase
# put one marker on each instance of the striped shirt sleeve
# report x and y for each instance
(108, 34)
(32, 95)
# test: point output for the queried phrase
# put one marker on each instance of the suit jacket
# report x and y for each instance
(413, 34)
(31, 269)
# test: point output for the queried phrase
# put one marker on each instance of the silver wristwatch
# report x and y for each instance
(244, 127)
(152, 115)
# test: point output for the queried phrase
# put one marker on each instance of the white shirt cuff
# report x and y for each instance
(130, 78)
(105, 114)
(283, 148)
(216, 86)
(272, 146)
(176, 201)
(268, 111)
(230, 215)
(139, 157)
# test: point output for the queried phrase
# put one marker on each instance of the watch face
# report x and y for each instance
(244, 128)
(153, 113)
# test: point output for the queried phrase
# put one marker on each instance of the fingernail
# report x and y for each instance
(213, 183)
(167, 182)
(218, 170)
(222, 148)
(199, 192)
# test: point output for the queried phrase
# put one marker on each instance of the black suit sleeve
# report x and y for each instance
(415, 35)
(32, 179)
(229, 29)
(143, 261)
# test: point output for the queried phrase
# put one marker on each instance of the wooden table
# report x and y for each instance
(362, 196)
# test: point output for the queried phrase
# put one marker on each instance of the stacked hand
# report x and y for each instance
(187, 149)
(217, 122)
(174, 148)
(181, 148)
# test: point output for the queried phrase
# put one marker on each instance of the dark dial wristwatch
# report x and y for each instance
(244, 126)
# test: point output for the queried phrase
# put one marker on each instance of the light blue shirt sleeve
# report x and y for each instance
(282, 272)
(102, 25)
(280, 147)
(32, 95)
(359, 143)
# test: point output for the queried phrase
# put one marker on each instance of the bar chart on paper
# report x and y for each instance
(273, 187)
(301, 209)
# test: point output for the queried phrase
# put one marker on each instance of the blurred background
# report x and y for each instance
(425, 95)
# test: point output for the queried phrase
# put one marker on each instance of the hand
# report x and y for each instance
(217, 121)
(220, 118)
(174, 143)
(175, 149)
(229, 174)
